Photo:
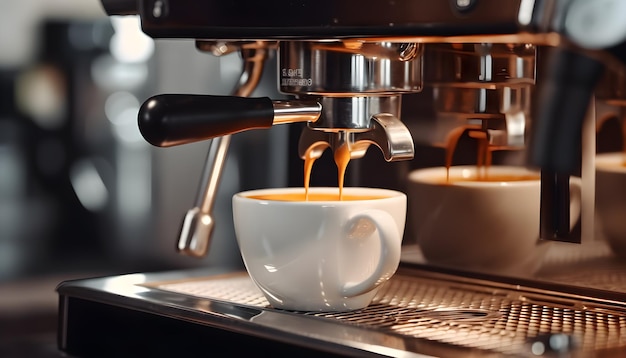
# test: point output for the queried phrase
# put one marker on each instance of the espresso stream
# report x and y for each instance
(342, 158)
(484, 157)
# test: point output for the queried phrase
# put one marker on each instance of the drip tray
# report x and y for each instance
(417, 312)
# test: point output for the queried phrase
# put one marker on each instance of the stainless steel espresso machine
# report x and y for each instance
(404, 77)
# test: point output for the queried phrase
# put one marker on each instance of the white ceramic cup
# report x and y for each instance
(611, 200)
(320, 255)
(482, 226)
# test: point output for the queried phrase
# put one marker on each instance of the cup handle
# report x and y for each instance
(575, 204)
(362, 226)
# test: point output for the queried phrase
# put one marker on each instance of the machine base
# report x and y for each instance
(421, 311)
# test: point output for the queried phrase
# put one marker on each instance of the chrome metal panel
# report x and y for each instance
(418, 312)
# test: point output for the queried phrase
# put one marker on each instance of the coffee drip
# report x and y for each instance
(342, 155)
(342, 158)
(484, 155)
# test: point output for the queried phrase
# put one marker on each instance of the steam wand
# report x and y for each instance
(198, 224)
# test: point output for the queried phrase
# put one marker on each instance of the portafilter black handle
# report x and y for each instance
(172, 119)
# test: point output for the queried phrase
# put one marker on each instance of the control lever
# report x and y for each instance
(564, 94)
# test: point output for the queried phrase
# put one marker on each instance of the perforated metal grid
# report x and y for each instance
(470, 316)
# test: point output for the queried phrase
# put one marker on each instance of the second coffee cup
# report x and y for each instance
(322, 254)
(484, 221)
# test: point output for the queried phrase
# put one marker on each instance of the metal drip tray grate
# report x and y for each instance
(454, 313)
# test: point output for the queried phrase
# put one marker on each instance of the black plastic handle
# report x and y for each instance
(121, 7)
(172, 119)
(565, 90)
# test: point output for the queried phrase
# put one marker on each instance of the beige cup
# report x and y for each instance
(611, 200)
(325, 255)
(482, 226)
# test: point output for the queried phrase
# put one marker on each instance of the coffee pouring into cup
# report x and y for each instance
(346, 110)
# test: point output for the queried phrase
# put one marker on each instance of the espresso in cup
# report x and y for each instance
(302, 196)
(482, 221)
(323, 254)
(451, 179)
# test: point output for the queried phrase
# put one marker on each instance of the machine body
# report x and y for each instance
(347, 69)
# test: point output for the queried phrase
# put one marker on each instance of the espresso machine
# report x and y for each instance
(401, 78)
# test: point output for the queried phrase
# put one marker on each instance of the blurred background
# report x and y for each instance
(81, 193)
